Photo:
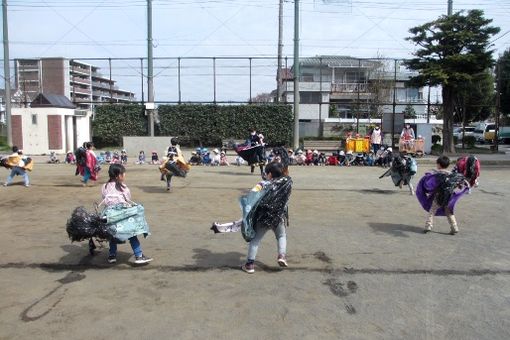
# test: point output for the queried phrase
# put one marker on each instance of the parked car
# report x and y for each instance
(480, 130)
(459, 133)
(489, 133)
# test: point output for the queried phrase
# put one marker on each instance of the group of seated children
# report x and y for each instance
(382, 158)
(202, 156)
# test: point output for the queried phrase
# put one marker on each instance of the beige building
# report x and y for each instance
(52, 123)
(82, 83)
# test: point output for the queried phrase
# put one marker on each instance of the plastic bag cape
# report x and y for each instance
(265, 208)
(402, 168)
(251, 154)
(447, 188)
(126, 221)
(119, 222)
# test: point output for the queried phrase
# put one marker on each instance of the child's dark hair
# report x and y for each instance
(275, 169)
(114, 172)
(15, 149)
(89, 145)
(443, 161)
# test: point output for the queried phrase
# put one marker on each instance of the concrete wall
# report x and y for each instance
(83, 129)
(133, 145)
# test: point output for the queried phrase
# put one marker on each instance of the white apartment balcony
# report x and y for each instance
(80, 70)
(349, 88)
(312, 86)
(79, 80)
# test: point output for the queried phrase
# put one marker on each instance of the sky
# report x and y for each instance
(207, 28)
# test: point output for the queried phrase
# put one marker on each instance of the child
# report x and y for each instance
(436, 193)
(123, 156)
(216, 158)
(70, 159)
(19, 166)
(333, 159)
(271, 214)
(223, 159)
(300, 158)
(141, 157)
(53, 158)
(195, 159)
(154, 158)
(402, 170)
(115, 192)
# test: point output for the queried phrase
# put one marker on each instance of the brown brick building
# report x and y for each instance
(82, 83)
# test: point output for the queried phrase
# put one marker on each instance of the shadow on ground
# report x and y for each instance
(398, 230)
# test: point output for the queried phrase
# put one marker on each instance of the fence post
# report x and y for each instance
(179, 78)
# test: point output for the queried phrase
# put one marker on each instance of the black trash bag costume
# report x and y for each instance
(447, 183)
(267, 207)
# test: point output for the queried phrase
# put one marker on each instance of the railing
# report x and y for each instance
(349, 87)
(80, 80)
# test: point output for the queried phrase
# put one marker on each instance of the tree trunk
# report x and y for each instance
(448, 108)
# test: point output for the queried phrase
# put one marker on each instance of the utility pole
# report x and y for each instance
(7, 74)
(498, 104)
(150, 77)
(450, 7)
(280, 48)
(296, 74)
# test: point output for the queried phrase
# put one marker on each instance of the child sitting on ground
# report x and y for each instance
(223, 159)
(333, 159)
(70, 159)
(154, 158)
(141, 157)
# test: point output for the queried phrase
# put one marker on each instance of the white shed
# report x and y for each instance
(51, 123)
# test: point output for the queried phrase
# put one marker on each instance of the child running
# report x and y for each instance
(437, 193)
(271, 214)
(115, 192)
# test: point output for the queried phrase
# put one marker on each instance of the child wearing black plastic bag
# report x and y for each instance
(115, 192)
(271, 215)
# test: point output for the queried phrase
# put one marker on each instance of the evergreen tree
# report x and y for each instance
(452, 50)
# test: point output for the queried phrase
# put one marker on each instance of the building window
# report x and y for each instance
(34, 119)
(309, 97)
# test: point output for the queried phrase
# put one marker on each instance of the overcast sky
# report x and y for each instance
(197, 28)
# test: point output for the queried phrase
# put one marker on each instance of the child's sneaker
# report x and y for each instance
(249, 268)
(112, 259)
(142, 259)
(282, 261)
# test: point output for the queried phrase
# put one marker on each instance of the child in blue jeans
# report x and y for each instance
(115, 192)
(271, 214)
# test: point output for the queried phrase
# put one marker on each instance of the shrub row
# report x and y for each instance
(199, 124)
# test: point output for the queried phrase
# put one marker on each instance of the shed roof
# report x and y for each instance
(52, 100)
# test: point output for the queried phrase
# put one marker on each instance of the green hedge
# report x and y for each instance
(198, 124)
(112, 122)
(209, 124)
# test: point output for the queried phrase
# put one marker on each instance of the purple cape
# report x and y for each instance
(425, 192)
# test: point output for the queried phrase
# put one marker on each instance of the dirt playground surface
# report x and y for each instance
(360, 267)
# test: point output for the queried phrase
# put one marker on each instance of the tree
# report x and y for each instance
(474, 99)
(409, 112)
(452, 50)
(504, 64)
(263, 98)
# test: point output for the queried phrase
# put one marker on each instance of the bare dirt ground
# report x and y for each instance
(360, 267)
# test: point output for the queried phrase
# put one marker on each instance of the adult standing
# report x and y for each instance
(407, 137)
(376, 139)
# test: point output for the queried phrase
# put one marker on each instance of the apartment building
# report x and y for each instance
(82, 83)
(343, 89)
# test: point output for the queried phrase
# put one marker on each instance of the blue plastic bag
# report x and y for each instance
(127, 221)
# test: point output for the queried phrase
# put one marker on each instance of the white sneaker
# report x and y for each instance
(142, 259)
